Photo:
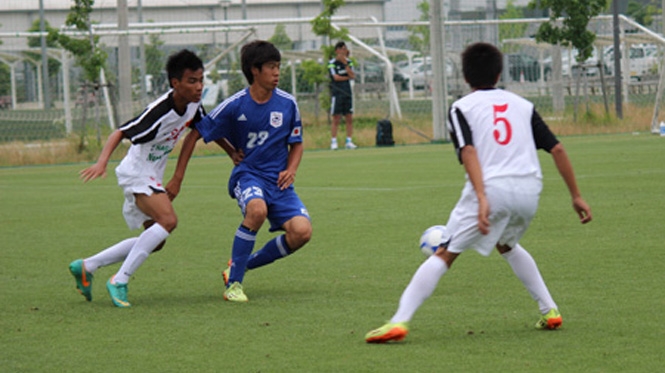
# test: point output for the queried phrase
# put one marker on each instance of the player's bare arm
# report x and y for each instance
(236, 155)
(565, 168)
(188, 145)
(472, 166)
(288, 176)
(99, 168)
(349, 71)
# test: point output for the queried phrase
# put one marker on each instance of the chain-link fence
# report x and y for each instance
(393, 66)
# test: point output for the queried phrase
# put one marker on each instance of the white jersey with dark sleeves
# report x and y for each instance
(504, 129)
(154, 134)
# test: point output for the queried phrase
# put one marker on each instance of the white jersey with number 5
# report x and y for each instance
(505, 130)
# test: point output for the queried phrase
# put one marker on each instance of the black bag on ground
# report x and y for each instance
(384, 133)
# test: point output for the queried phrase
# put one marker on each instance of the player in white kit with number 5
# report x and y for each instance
(496, 134)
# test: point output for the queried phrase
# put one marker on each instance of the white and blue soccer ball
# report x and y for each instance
(432, 238)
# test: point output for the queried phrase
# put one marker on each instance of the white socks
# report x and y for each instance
(420, 288)
(114, 254)
(527, 271)
(144, 245)
(426, 278)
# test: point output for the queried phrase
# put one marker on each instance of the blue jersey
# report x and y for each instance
(263, 132)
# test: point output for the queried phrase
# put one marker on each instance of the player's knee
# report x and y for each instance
(168, 222)
(256, 210)
(299, 236)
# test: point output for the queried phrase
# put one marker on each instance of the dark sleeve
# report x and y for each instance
(200, 113)
(144, 128)
(460, 132)
(543, 137)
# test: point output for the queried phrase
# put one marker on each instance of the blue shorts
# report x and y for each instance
(283, 205)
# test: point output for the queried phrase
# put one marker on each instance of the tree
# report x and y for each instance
(86, 51)
(87, 54)
(577, 14)
(5, 73)
(281, 39)
(5, 80)
(35, 42)
(643, 14)
(322, 25)
(154, 62)
(511, 30)
(419, 35)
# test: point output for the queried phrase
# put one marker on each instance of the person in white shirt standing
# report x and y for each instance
(496, 134)
(153, 134)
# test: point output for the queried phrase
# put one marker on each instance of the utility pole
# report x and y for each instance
(42, 37)
(617, 59)
(439, 89)
(142, 69)
(124, 65)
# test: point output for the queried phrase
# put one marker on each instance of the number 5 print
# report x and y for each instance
(502, 121)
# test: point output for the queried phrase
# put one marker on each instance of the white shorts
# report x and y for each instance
(513, 203)
(132, 185)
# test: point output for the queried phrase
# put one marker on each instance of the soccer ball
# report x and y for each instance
(432, 238)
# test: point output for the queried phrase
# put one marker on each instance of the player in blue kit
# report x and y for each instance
(260, 128)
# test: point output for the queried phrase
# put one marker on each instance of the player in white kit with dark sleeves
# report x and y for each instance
(496, 134)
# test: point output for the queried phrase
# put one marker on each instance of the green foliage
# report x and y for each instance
(643, 13)
(574, 29)
(35, 42)
(281, 38)
(511, 30)
(237, 80)
(5, 79)
(302, 85)
(154, 56)
(322, 26)
(314, 72)
(86, 51)
(419, 35)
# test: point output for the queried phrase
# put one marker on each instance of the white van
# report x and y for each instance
(568, 69)
(643, 60)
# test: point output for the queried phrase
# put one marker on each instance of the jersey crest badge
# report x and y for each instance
(276, 118)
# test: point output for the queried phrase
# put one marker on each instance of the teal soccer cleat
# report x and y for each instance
(118, 293)
(83, 278)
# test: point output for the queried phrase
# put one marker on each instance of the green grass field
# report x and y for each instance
(309, 312)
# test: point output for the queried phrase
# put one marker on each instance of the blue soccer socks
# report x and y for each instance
(243, 244)
(273, 250)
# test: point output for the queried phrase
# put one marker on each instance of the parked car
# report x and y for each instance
(569, 64)
(369, 72)
(373, 72)
(643, 60)
(401, 80)
(522, 67)
(421, 72)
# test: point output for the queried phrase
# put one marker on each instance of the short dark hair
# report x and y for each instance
(481, 64)
(255, 54)
(181, 61)
(340, 44)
